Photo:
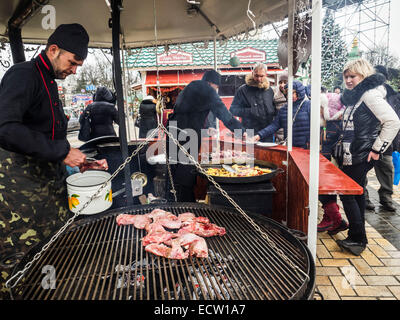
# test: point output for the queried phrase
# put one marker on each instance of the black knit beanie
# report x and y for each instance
(71, 37)
(212, 76)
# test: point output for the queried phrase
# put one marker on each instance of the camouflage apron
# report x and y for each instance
(33, 205)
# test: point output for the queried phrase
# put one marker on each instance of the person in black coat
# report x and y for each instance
(190, 115)
(375, 124)
(148, 116)
(102, 114)
(384, 169)
(254, 101)
(34, 149)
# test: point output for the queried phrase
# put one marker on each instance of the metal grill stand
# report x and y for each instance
(300, 273)
(97, 259)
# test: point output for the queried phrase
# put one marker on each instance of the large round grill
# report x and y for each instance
(97, 259)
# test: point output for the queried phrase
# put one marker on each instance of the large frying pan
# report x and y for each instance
(255, 179)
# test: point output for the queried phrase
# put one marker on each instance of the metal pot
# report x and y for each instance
(82, 186)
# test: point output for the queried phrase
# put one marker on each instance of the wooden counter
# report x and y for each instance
(332, 181)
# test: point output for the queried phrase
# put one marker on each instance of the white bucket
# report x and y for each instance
(82, 186)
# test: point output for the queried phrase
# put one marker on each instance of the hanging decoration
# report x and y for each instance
(301, 38)
(234, 61)
(3, 62)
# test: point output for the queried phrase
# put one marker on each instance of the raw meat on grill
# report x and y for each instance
(159, 213)
(202, 220)
(197, 245)
(190, 217)
(169, 244)
(202, 229)
(169, 223)
(158, 237)
(176, 252)
(183, 217)
(155, 228)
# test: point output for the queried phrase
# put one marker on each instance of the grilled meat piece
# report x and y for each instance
(139, 221)
(190, 217)
(169, 244)
(169, 223)
(159, 213)
(202, 229)
(197, 245)
(176, 252)
(158, 237)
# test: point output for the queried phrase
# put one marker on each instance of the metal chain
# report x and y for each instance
(237, 207)
(120, 168)
(159, 98)
(173, 191)
(71, 220)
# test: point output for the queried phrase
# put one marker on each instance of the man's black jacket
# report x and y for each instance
(32, 120)
(194, 104)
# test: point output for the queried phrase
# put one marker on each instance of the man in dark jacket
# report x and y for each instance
(383, 167)
(102, 114)
(33, 147)
(301, 119)
(254, 101)
(191, 110)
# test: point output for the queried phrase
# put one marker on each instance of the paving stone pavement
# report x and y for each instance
(375, 274)
(385, 222)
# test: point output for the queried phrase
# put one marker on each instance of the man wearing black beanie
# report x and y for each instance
(34, 149)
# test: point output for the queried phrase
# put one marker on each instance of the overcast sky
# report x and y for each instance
(395, 27)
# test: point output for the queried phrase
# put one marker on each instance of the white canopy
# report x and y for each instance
(176, 20)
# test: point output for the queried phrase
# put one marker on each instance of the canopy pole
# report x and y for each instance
(16, 44)
(315, 125)
(116, 7)
(124, 72)
(290, 75)
(216, 119)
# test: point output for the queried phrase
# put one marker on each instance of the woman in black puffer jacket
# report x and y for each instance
(374, 124)
(102, 114)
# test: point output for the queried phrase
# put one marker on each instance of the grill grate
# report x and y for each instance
(97, 259)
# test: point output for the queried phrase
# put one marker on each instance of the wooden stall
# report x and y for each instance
(332, 181)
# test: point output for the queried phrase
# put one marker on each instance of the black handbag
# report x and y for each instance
(84, 131)
(337, 149)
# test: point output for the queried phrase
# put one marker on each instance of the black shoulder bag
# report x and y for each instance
(337, 148)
